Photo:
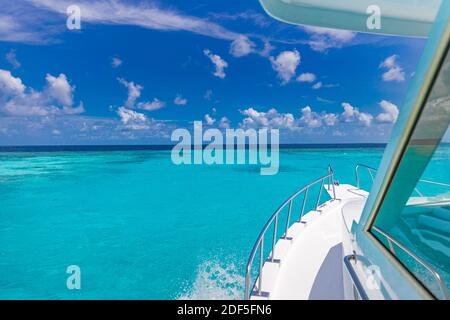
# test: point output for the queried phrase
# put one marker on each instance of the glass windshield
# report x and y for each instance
(414, 219)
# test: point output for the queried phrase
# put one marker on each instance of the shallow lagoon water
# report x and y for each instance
(140, 227)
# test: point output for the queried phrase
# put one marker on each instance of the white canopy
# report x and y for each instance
(398, 17)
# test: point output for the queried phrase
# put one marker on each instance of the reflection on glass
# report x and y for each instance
(414, 219)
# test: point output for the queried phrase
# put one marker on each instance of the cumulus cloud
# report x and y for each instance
(352, 114)
(218, 62)
(116, 62)
(317, 85)
(390, 113)
(309, 118)
(152, 105)
(313, 119)
(55, 99)
(132, 119)
(180, 101)
(10, 85)
(393, 71)
(323, 39)
(270, 119)
(241, 47)
(285, 64)
(224, 123)
(274, 119)
(11, 57)
(60, 89)
(134, 91)
(306, 77)
(209, 120)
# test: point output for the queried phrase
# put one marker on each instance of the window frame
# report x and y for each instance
(396, 149)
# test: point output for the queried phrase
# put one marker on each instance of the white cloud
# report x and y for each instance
(134, 91)
(132, 119)
(151, 106)
(285, 64)
(312, 119)
(258, 19)
(269, 119)
(242, 46)
(116, 62)
(180, 101)
(21, 22)
(330, 119)
(145, 14)
(273, 119)
(18, 100)
(268, 48)
(393, 71)
(224, 123)
(323, 39)
(317, 85)
(390, 113)
(11, 57)
(365, 119)
(60, 89)
(218, 62)
(352, 114)
(10, 85)
(306, 77)
(209, 120)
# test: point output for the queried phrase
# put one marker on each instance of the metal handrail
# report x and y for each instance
(436, 275)
(353, 276)
(259, 244)
(371, 170)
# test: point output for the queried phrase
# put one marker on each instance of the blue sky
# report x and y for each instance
(139, 69)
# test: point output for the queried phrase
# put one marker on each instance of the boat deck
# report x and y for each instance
(308, 260)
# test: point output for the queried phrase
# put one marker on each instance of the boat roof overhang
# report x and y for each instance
(398, 17)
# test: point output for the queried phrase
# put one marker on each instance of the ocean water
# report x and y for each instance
(138, 226)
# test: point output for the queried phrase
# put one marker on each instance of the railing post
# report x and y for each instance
(288, 218)
(357, 176)
(303, 204)
(330, 170)
(247, 283)
(371, 175)
(261, 258)
(274, 242)
(320, 194)
(334, 189)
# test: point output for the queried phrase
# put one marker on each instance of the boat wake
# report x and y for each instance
(215, 281)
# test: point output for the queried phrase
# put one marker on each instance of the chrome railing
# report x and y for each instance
(391, 241)
(373, 170)
(369, 169)
(259, 244)
(358, 289)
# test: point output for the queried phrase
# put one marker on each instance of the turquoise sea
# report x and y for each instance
(138, 226)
